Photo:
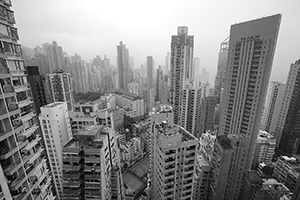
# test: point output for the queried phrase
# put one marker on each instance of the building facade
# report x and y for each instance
(56, 130)
(287, 133)
(132, 104)
(207, 112)
(91, 165)
(264, 149)
(190, 107)
(245, 89)
(123, 66)
(23, 170)
(201, 179)
(36, 82)
(272, 106)
(174, 162)
(58, 88)
(181, 65)
(221, 69)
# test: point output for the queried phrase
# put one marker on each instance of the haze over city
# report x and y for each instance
(93, 27)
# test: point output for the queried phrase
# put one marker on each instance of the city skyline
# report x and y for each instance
(156, 30)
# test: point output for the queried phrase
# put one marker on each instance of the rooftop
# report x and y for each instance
(74, 114)
(170, 130)
(127, 95)
(52, 105)
(91, 130)
(254, 177)
(273, 184)
(264, 135)
(224, 141)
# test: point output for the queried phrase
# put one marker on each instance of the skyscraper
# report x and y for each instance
(150, 71)
(55, 58)
(58, 88)
(159, 84)
(221, 70)
(287, 131)
(251, 51)
(207, 111)
(23, 170)
(190, 107)
(167, 64)
(205, 76)
(272, 106)
(36, 82)
(56, 129)
(182, 48)
(123, 66)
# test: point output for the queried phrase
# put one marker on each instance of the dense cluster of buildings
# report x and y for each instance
(239, 140)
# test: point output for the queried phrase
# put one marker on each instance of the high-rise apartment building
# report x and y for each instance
(196, 64)
(201, 179)
(221, 70)
(150, 70)
(272, 106)
(159, 84)
(174, 162)
(59, 88)
(123, 66)
(207, 111)
(190, 107)
(37, 83)
(56, 129)
(264, 149)
(205, 76)
(287, 131)
(55, 56)
(91, 165)
(167, 64)
(23, 169)
(164, 98)
(181, 63)
(251, 51)
(133, 88)
(296, 193)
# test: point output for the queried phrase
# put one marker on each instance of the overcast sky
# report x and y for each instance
(95, 27)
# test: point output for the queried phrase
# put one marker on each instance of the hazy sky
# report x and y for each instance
(95, 27)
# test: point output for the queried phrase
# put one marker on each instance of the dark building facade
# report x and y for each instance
(36, 82)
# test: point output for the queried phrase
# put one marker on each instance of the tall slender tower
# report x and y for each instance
(190, 107)
(182, 48)
(56, 129)
(250, 56)
(123, 66)
(221, 70)
(23, 170)
(272, 106)
(287, 130)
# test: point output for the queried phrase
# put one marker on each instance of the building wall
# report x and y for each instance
(272, 107)
(182, 48)
(288, 122)
(245, 89)
(56, 130)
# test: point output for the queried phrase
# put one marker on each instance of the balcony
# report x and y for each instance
(11, 169)
(8, 89)
(27, 116)
(12, 106)
(3, 112)
(28, 132)
(92, 168)
(17, 182)
(31, 144)
(68, 168)
(34, 168)
(20, 87)
(32, 157)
